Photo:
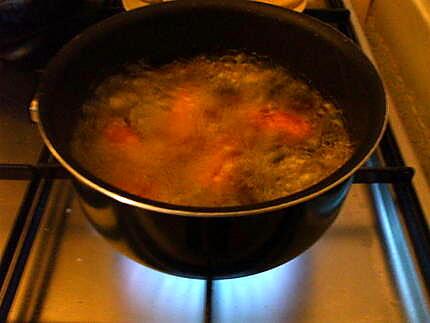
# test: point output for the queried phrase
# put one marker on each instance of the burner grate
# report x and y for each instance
(365, 175)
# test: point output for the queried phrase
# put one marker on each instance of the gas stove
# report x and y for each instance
(372, 265)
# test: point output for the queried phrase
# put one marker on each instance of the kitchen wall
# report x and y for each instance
(361, 8)
(405, 26)
(399, 33)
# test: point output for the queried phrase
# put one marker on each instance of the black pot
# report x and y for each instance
(212, 242)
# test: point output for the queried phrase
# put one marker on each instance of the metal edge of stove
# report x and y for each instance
(404, 267)
(410, 283)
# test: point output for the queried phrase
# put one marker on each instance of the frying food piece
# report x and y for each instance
(181, 120)
(118, 132)
(218, 166)
(292, 127)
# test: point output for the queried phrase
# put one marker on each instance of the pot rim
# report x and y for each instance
(339, 176)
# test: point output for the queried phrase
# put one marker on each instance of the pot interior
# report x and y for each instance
(160, 34)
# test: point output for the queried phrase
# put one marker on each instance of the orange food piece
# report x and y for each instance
(217, 167)
(182, 117)
(290, 125)
(118, 132)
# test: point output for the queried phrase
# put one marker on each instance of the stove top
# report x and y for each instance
(73, 275)
(371, 265)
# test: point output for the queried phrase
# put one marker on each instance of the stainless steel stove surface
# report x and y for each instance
(56, 268)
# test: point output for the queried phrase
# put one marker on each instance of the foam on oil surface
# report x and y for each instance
(212, 131)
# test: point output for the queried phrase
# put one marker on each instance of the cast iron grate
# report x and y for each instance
(365, 175)
(45, 171)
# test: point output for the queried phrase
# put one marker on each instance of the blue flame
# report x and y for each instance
(249, 298)
(160, 297)
(163, 297)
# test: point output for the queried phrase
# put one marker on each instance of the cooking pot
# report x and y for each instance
(221, 242)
